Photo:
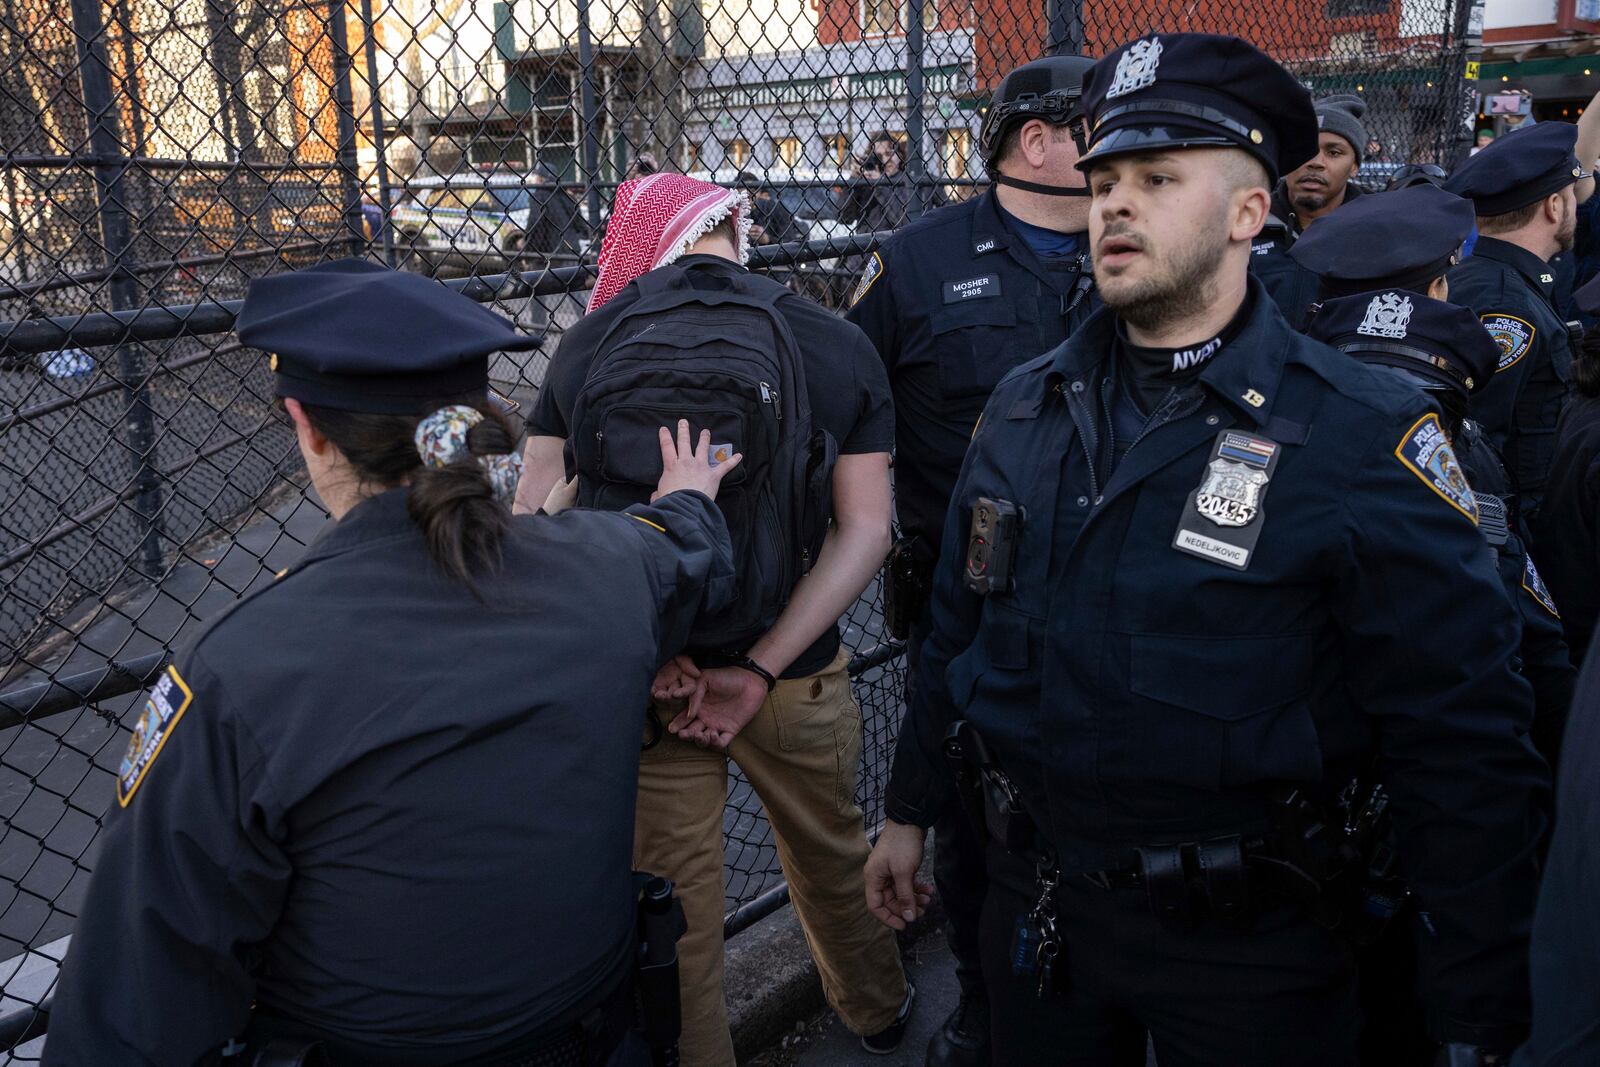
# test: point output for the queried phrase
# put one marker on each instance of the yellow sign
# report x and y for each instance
(1472, 69)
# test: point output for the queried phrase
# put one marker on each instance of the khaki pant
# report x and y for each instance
(800, 753)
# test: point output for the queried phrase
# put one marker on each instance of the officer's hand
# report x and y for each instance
(894, 895)
(684, 468)
(562, 496)
(728, 699)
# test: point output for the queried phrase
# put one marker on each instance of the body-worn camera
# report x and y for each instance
(991, 545)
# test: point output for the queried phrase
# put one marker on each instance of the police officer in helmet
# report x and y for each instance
(953, 302)
(372, 808)
(1198, 572)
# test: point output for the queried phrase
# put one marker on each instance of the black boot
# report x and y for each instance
(963, 1040)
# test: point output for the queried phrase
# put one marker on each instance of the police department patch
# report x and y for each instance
(1513, 335)
(1536, 588)
(1426, 452)
(169, 698)
(868, 276)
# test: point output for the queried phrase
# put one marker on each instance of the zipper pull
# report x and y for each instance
(769, 395)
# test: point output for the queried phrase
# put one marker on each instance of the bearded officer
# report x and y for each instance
(953, 302)
(1198, 570)
(1523, 189)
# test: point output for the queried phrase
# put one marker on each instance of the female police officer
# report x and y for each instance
(356, 801)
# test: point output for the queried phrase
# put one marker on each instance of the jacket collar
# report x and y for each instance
(1283, 213)
(989, 233)
(1524, 262)
(1245, 375)
(381, 517)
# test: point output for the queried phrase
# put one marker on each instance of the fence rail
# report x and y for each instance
(156, 155)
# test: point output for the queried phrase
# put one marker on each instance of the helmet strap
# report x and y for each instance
(1042, 190)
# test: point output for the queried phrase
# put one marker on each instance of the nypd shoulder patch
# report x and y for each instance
(1425, 451)
(1512, 334)
(1536, 588)
(870, 274)
(168, 699)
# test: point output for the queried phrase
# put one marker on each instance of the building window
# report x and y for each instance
(737, 151)
(836, 147)
(1349, 9)
(878, 16)
(788, 151)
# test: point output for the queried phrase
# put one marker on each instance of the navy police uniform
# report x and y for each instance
(952, 303)
(1569, 521)
(366, 806)
(1383, 318)
(1275, 581)
(1511, 290)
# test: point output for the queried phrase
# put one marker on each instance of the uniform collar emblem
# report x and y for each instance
(1136, 69)
(1387, 316)
(1231, 493)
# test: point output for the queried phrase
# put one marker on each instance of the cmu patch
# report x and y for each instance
(169, 698)
(1513, 335)
(1425, 451)
(868, 276)
(1536, 588)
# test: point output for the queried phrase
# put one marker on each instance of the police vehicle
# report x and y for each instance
(472, 217)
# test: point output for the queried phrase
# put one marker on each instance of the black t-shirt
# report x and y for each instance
(845, 380)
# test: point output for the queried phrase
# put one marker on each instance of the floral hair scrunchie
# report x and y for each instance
(441, 440)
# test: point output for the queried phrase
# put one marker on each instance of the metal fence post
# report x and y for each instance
(345, 102)
(591, 139)
(1064, 28)
(110, 166)
(379, 139)
(916, 165)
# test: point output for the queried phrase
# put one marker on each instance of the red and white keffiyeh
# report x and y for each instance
(654, 221)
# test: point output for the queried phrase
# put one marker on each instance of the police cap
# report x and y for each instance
(359, 337)
(1050, 89)
(1417, 174)
(1519, 169)
(1442, 344)
(1399, 240)
(1186, 90)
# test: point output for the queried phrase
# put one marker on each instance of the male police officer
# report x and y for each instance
(1522, 189)
(1383, 304)
(1212, 569)
(953, 302)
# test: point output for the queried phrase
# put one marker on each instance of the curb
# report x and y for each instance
(772, 981)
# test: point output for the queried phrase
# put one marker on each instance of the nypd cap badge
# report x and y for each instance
(1425, 451)
(1388, 315)
(168, 699)
(1136, 69)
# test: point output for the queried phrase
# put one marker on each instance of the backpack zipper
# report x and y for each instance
(769, 395)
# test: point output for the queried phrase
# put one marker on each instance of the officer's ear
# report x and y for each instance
(1555, 211)
(1439, 289)
(312, 441)
(1033, 142)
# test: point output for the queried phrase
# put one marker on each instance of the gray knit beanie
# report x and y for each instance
(1341, 113)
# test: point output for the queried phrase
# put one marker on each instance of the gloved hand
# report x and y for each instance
(562, 496)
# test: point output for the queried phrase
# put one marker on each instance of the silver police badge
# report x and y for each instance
(1388, 315)
(1231, 493)
(1137, 68)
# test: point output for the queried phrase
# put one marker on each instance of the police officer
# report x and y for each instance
(1383, 303)
(1521, 187)
(1198, 571)
(372, 805)
(953, 302)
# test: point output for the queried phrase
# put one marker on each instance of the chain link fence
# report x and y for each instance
(158, 154)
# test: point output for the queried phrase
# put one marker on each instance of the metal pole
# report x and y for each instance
(379, 137)
(110, 173)
(591, 138)
(1064, 28)
(916, 168)
(1469, 43)
(346, 117)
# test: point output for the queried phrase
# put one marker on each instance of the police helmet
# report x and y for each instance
(1049, 89)
(1416, 174)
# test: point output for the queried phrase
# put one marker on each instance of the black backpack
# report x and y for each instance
(725, 359)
